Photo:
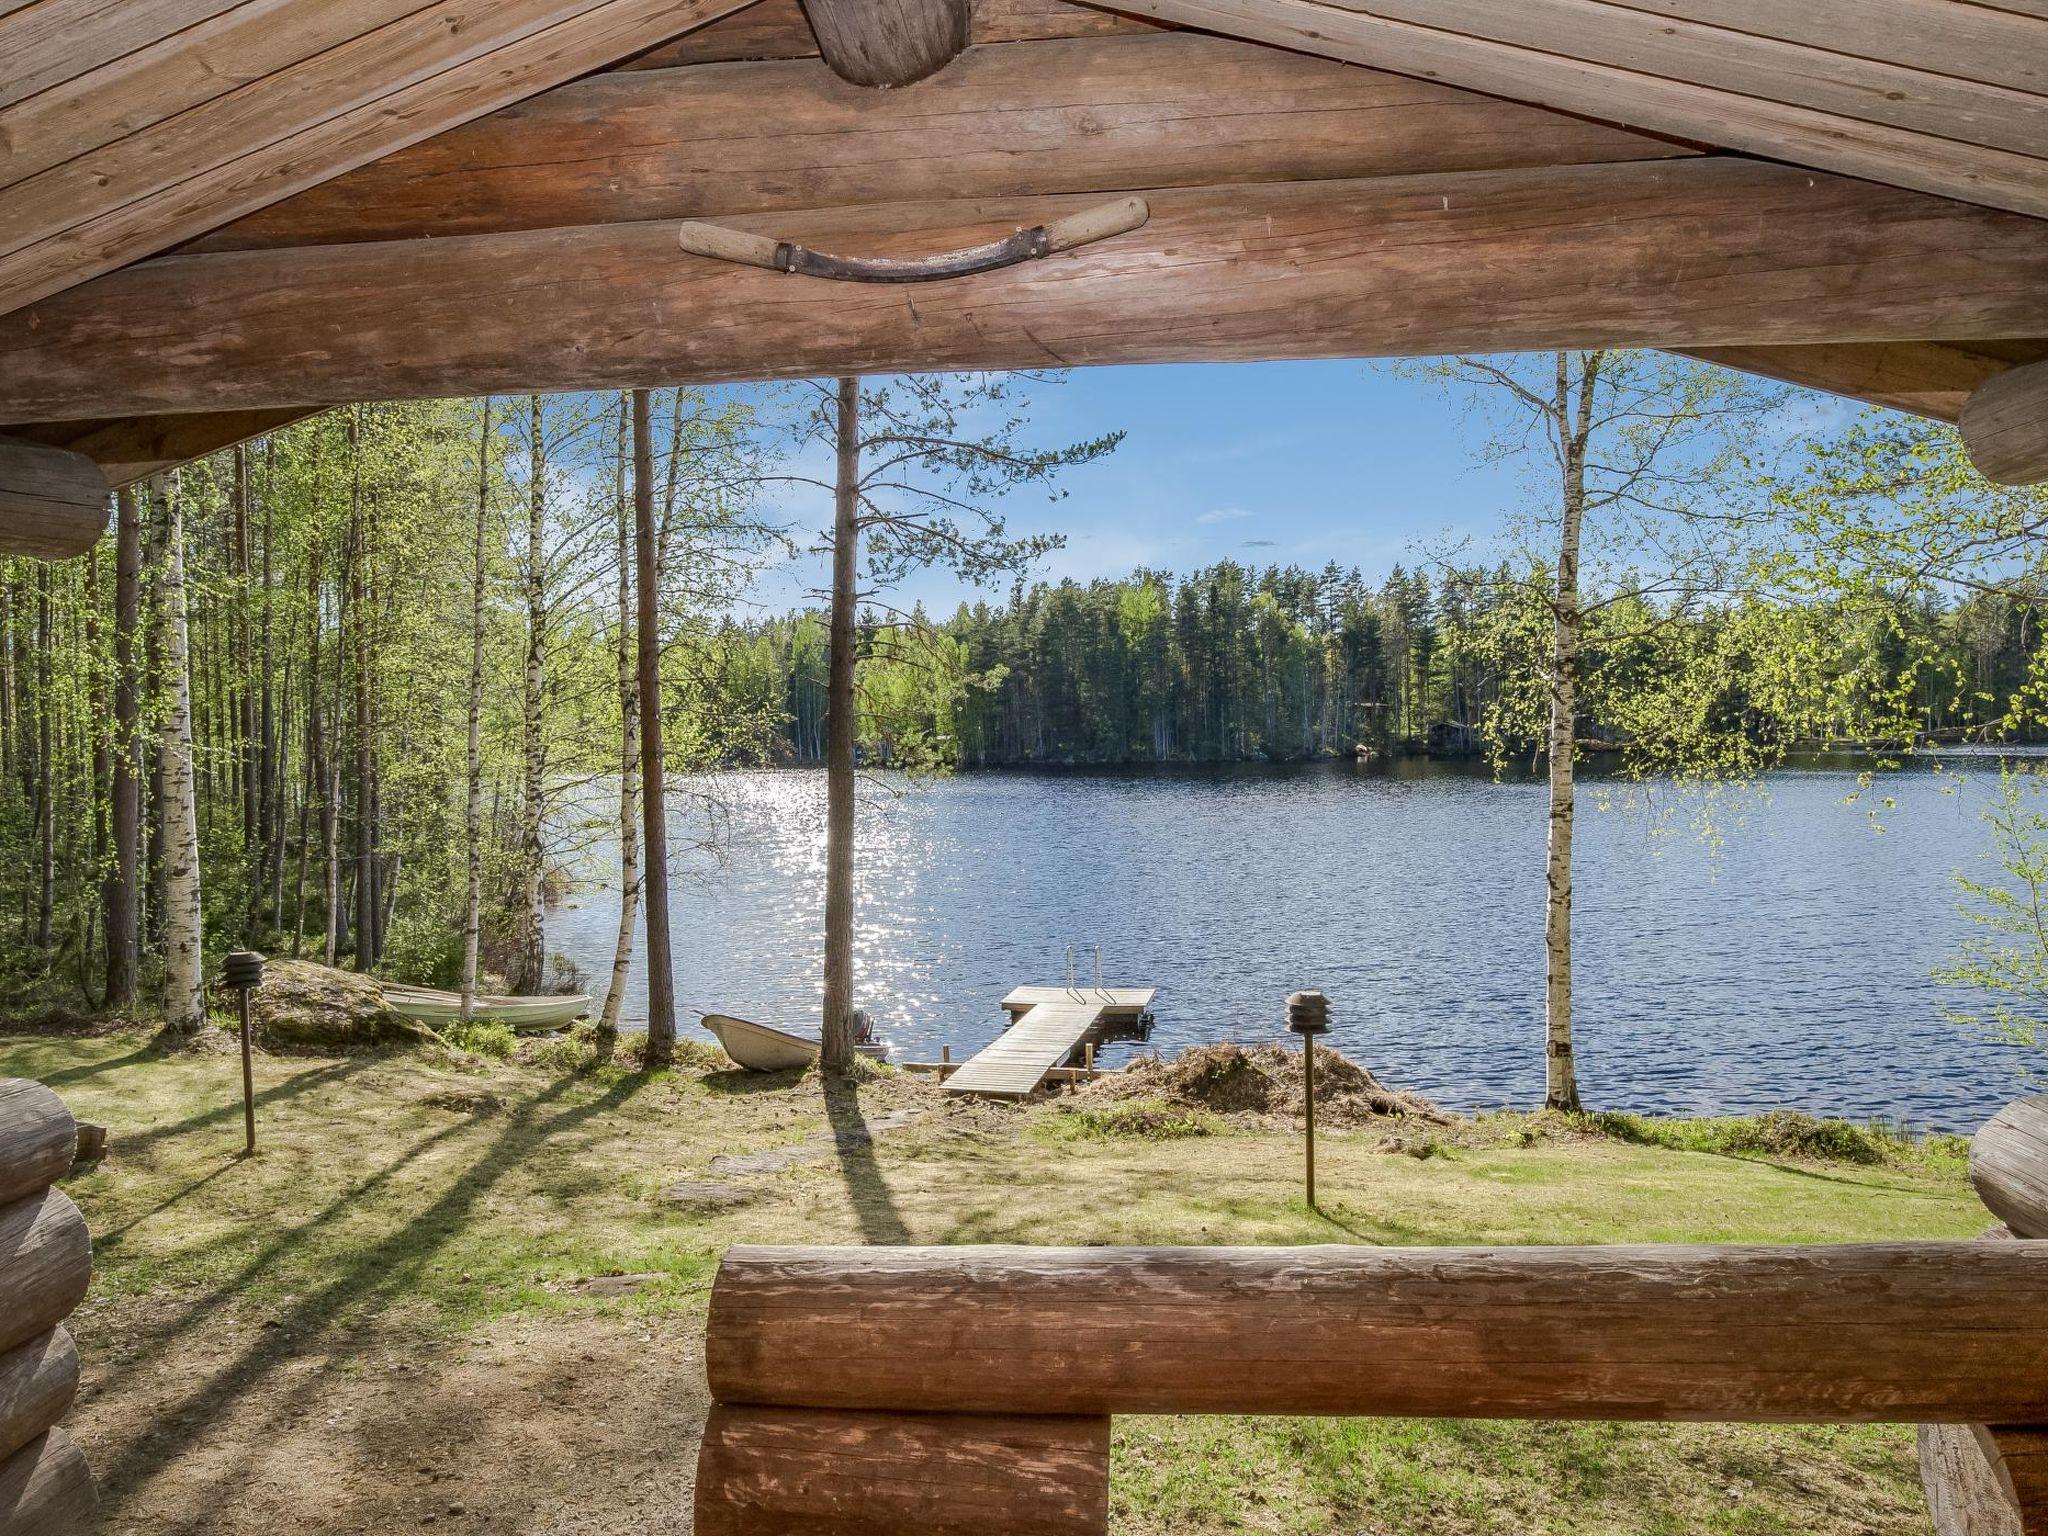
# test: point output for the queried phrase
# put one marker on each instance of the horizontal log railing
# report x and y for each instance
(45, 1266)
(911, 1389)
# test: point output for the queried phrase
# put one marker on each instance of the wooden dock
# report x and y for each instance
(1048, 1027)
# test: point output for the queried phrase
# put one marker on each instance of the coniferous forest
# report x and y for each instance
(1237, 664)
(257, 686)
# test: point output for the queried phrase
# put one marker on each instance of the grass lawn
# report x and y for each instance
(454, 1293)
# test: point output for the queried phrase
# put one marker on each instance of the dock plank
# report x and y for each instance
(1116, 1002)
(1017, 1061)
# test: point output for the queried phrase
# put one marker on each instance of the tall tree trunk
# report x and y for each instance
(241, 694)
(532, 958)
(837, 1052)
(124, 939)
(46, 770)
(9, 758)
(629, 756)
(473, 808)
(661, 997)
(365, 742)
(268, 864)
(184, 985)
(1574, 425)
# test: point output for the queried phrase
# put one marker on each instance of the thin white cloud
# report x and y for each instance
(1223, 515)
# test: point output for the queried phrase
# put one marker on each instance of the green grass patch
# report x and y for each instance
(414, 1207)
(1779, 1133)
(1132, 1119)
(480, 1037)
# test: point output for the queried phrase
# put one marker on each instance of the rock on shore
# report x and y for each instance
(304, 1006)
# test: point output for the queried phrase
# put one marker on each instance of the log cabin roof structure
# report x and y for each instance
(217, 216)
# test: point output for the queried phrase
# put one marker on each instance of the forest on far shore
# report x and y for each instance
(304, 627)
(1235, 664)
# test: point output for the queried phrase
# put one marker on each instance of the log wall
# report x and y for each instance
(917, 1390)
(45, 1266)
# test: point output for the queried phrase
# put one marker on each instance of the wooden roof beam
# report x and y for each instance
(1906, 125)
(1921, 378)
(53, 502)
(133, 448)
(1684, 254)
(153, 147)
(1096, 114)
(2005, 427)
(889, 42)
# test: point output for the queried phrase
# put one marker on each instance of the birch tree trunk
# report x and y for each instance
(46, 770)
(124, 947)
(320, 751)
(360, 608)
(836, 1054)
(661, 997)
(629, 758)
(184, 985)
(1573, 427)
(473, 808)
(268, 881)
(532, 957)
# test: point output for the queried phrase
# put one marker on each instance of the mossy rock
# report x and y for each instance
(304, 1006)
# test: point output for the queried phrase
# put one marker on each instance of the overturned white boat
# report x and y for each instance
(526, 1015)
(764, 1048)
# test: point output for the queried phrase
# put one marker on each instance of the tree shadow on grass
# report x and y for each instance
(103, 1242)
(873, 1204)
(86, 1070)
(230, 1107)
(348, 1308)
(740, 1081)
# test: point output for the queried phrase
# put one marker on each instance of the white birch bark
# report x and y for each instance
(184, 984)
(836, 1052)
(629, 754)
(532, 959)
(473, 809)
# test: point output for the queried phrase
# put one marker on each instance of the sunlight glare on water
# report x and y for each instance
(1787, 967)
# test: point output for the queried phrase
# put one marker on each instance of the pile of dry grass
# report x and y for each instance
(1227, 1079)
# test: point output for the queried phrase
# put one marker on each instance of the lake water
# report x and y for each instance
(1784, 964)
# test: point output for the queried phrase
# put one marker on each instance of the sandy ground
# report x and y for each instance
(551, 1427)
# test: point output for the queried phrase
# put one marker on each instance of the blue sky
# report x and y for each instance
(1259, 462)
(1265, 463)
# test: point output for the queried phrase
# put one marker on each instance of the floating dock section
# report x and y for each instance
(1049, 1027)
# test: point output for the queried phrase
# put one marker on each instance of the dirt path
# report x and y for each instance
(544, 1426)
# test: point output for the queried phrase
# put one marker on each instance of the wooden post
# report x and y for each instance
(1308, 1105)
(243, 971)
(1984, 1480)
(1308, 1015)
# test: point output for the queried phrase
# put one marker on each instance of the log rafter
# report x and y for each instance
(1706, 252)
(1892, 119)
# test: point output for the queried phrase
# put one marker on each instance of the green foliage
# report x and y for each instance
(1776, 1133)
(480, 1037)
(1135, 1119)
(2007, 956)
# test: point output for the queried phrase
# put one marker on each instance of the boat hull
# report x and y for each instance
(526, 1015)
(764, 1048)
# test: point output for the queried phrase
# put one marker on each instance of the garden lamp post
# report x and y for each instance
(1308, 1015)
(243, 971)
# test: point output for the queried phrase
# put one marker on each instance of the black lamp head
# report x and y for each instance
(1308, 1013)
(242, 970)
